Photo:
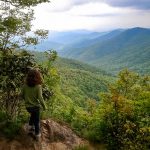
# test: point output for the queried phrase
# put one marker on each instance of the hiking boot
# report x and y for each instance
(38, 137)
(31, 129)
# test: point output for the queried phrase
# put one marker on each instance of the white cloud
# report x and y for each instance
(68, 4)
(69, 15)
(91, 9)
(55, 5)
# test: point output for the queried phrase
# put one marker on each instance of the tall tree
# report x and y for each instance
(15, 25)
(15, 34)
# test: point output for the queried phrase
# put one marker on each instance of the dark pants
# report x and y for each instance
(34, 118)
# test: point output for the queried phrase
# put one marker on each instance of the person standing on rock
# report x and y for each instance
(32, 94)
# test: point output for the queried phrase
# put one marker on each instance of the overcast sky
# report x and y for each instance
(98, 15)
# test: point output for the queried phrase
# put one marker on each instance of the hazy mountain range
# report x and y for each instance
(110, 51)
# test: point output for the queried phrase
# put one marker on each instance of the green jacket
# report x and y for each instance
(33, 96)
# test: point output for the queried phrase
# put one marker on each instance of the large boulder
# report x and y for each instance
(55, 136)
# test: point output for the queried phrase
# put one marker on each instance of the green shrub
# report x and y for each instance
(11, 129)
(124, 112)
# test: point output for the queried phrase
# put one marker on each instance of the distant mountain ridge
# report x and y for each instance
(110, 51)
(58, 40)
(116, 50)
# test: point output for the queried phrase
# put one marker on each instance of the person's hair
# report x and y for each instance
(33, 78)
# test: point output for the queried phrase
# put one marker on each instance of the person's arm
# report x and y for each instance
(40, 97)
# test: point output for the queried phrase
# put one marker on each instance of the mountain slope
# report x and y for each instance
(74, 64)
(80, 82)
(132, 50)
(128, 48)
(77, 48)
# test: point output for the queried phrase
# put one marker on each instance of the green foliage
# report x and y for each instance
(80, 85)
(79, 81)
(74, 64)
(13, 69)
(11, 129)
(120, 119)
(15, 23)
(123, 113)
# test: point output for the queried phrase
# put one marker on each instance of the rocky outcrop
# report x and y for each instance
(55, 136)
